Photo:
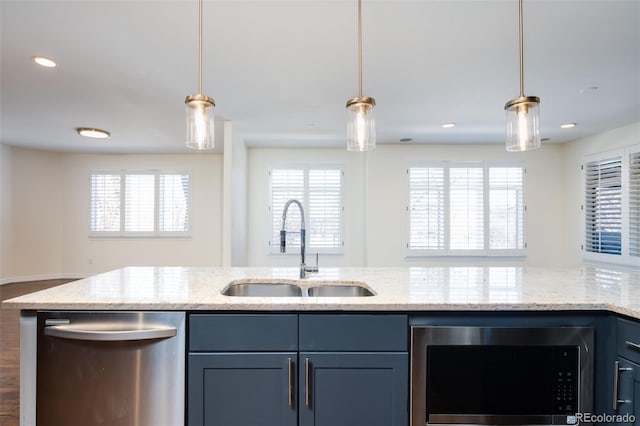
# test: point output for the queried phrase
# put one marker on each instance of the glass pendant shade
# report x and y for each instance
(361, 124)
(523, 123)
(200, 122)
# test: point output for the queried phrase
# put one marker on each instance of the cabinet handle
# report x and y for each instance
(616, 379)
(307, 396)
(632, 345)
(290, 384)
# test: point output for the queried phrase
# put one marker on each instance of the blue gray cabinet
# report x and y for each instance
(308, 369)
(242, 389)
(625, 397)
(349, 389)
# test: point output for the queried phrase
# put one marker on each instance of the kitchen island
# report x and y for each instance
(242, 338)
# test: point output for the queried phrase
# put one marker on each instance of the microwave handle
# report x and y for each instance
(616, 380)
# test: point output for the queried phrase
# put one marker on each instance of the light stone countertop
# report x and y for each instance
(508, 288)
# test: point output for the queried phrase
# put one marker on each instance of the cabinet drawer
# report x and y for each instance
(629, 340)
(243, 333)
(353, 332)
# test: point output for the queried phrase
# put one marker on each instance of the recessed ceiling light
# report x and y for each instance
(567, 125)
(93, 133)
(449, 125)
(45, 62)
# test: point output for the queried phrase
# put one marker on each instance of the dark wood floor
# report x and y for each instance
(10, 349)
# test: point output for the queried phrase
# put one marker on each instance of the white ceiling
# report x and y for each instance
(281, 71)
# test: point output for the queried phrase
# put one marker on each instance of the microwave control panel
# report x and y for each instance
(566, 380)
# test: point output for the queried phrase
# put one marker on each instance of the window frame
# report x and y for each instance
(273, 246)
(447, 252)
(624, 259)
(156, 233)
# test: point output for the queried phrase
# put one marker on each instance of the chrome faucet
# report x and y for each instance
(304, 269)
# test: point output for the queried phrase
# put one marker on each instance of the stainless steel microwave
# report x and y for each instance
(500, 375)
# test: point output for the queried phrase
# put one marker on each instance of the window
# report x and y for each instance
(603, 206)
(142, 204)
(634, 203)
(465, 209)
(612, 206)
(320, 192)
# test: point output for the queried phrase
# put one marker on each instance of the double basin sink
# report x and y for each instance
(270, 288)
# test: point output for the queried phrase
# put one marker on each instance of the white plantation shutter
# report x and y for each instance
(603, 206)
(634, 204)
(320, 192)
(105, 202)
(506, 208)
(173, 211)
(426, 208)
(465, 209)
(325, 208)
(286, 185)
(140, 204)
(466, 212)
(139, 199)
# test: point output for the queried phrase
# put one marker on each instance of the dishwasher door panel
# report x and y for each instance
(110, 368)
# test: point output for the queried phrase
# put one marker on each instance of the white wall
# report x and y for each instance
(574, 153)
(49, 215)
(235, 251)
(6, 234)
(37, 195)
(377, 179)
(259, 219)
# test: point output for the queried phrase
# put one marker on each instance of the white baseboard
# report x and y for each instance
(42, 278)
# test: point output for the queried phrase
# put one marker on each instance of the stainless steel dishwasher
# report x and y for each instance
(110, 368)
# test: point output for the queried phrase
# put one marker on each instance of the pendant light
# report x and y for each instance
(200, 121)
(523, 113)
(361, 125)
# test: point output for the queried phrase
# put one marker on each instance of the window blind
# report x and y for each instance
(462, 210)
(325, 208)
(105, 202)
(466, 211)
(506, 208)
(173, 211)
(426, 208)
(634, 204)
(286, 185)
(149, 204)
(603, 206)
(320, 192)
(139, 202)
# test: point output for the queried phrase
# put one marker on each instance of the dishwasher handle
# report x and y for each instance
(108, 332)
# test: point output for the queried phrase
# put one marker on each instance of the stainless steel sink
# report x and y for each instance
(262, 289)
(330, 290)
(267, 288)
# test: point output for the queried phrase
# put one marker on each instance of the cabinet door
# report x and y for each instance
(353, 389)
(628, 394)
(242, 389)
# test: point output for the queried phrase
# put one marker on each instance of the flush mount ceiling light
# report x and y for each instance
(567, 125)
(93, 133)
(200, 120)
(361, 125)
(44, 62)
(523, 113)
(448, 125)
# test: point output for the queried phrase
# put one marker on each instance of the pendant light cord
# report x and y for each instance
(521, 52)
(200, 47)
(360, 48)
